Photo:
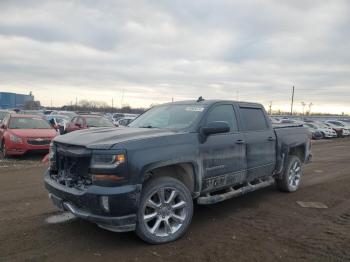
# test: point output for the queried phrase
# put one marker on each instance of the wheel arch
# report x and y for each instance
(295, 150)
(298, 151)
(186, 172)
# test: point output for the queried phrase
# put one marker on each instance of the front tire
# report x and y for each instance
(165, 211)
(291, 177)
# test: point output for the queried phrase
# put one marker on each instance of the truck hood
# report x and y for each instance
(105, 138)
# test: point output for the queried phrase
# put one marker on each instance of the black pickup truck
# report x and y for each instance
(145, 177)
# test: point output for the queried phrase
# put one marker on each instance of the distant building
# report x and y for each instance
(12, 100)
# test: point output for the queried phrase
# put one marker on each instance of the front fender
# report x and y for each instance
(195, 168)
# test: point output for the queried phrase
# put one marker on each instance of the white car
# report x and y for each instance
(123, 121)
(60, 122)
(327, 132)
(341, 131)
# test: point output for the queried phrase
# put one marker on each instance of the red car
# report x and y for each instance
(87, 121)
(20, 134)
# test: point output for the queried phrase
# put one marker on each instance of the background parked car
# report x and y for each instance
(31, 112)
(4, 113)
(59, 122)
(343, 124)
(341, 131)
(124, 121)
(70, 114)
(316, 134)
(325, 131)
(118, 116)
(87, 121)
(20, 134)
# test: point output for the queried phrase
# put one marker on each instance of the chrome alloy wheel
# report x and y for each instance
(294, 175)
(165, 212)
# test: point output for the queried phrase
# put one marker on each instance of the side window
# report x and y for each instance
(223, 113)
(253, 119)
(80, 121)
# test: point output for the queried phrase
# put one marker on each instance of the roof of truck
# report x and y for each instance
(213, 101)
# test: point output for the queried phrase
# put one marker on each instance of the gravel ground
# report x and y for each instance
(30, 160)
(262, 226)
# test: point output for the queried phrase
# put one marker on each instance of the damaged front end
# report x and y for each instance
(75, 185)
(69, 165)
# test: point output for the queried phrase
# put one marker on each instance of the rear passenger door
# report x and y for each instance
(223, 155)
(260, 142)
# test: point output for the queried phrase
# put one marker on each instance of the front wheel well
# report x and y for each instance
(183, 172)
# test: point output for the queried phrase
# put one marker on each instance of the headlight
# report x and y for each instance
(16, 139)
(107, 161)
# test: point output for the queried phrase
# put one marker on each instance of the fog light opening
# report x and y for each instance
(105, 203)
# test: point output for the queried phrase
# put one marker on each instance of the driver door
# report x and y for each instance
(223, 155)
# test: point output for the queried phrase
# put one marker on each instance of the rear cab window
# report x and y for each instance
(253, 119)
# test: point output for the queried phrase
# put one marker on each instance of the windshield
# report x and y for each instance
(66, 118)
(62, 120)
(168, 116)
(336, 123)
(69, 114)
(321, 125)
(98, 122)
(28, 123)
(31, 112)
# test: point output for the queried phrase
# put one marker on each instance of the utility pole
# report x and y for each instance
(112, 103)
(310, 105)
(172, 100)
(121, 101)
(291, 108)
(270, 108)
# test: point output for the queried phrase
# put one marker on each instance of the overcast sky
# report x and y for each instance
(156, 50)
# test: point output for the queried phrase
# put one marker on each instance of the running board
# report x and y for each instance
(212, 199)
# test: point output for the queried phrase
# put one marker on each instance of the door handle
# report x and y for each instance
(240, 142)
(271, 138)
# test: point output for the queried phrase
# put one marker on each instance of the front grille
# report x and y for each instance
(38, 141)
(72, 166)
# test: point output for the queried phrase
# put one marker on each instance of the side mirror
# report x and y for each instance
(2, 126)
(216, 127)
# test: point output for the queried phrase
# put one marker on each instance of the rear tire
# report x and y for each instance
(165, 211)
(291, 177)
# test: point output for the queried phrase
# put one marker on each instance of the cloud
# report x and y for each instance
(158, 50)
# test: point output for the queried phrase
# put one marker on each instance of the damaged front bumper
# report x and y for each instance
(111, 208)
